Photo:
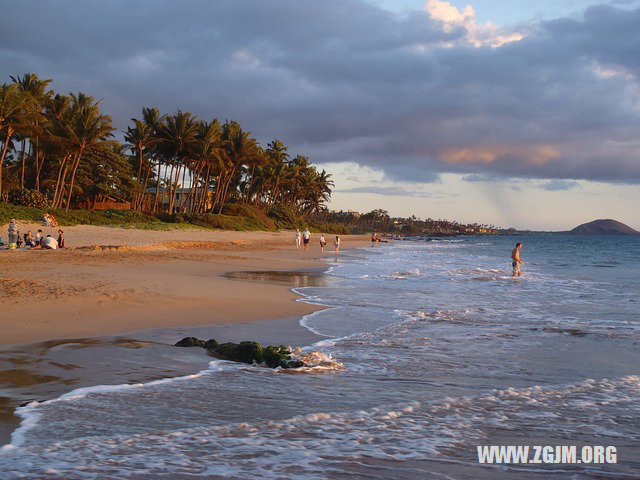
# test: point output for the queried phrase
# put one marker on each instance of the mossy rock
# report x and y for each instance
(190, 342)
(249, 352)
(275, 356)
(245, 352)
(225, 350)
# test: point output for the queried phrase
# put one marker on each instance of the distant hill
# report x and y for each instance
(604, 227)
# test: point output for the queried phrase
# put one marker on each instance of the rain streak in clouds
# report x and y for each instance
(414, 95)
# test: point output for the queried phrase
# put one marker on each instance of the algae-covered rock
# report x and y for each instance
(275, 356)
(190, 342)
(294, 363)
(246, 352)
(225, 350)
(249, 352)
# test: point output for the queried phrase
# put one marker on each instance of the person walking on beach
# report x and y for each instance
(323, 242)
(336, 244)
(516, 261)
(298, 237)
(306, 235)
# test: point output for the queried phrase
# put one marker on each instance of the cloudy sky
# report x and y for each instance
(522, 113)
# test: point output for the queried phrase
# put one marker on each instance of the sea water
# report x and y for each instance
(430, 349)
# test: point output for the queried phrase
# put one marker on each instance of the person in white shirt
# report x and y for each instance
(50, 243)
(298, 237)
(323, 242)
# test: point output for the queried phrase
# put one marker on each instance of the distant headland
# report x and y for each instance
(604, 227)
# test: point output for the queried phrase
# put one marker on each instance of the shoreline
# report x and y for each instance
(129, 338)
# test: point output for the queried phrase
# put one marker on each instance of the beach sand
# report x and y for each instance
(114, 280)
(108, 308)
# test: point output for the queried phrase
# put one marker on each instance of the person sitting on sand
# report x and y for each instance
(298, 238)
(39, 237)
(19, 240)
(336, 243)
(323, 243)
(29, 239)
(516, 261)
(50, 243)
(306, 236)
(60, 239)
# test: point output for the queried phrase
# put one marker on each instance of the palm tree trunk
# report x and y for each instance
(170, 186)
(144, 187)
(73, 178)
(62, 174)
(226, 189)
(38, 164)
(5, 147)
(182, 199)
(24, 153)
(155, 201)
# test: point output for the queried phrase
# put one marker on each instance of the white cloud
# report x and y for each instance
(478, 35)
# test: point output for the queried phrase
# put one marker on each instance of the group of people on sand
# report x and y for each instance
(303, 238)
(30, 242)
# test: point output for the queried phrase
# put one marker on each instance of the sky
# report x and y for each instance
(518, 114)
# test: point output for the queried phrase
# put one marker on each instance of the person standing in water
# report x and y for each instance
(323, 242)
(336, 244)
(516, 261)
(298, 238)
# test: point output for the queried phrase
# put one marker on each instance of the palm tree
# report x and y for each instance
(78, 127)
(14, 108)
(176, 140)
(140, 139)
(240, 149)
(31, 85)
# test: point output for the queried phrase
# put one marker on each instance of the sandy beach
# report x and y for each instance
(115, 280)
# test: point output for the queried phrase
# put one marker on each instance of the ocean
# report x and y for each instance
(430, 349)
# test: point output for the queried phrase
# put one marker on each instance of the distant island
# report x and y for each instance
(603, 227)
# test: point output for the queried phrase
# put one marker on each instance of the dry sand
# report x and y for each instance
(115, 280)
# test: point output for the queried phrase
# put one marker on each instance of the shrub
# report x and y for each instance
(253, 216)
(28, 198)
(284, 217)
(335, 228)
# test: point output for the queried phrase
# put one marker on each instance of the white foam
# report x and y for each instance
(30, 415)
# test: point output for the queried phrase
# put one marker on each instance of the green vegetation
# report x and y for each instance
(58, 151)
(380, 221)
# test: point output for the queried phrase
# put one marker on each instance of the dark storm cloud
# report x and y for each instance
(343, 80)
